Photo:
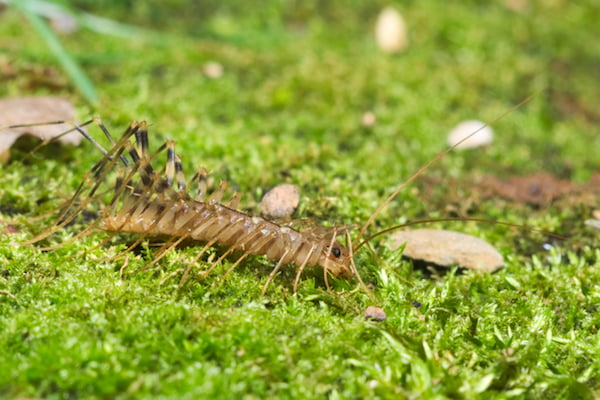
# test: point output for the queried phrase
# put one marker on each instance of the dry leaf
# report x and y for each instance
(31, 110)
(448, 248)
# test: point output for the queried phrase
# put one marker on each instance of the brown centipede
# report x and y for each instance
(154, 202)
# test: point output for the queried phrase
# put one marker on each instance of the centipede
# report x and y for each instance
(139, 198)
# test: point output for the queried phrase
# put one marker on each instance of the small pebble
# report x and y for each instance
(483, 137)
(280, 202)
(593, 223)
(368, 119)
(375, 314)
(213, 70)
(390, 31)
(63, 23)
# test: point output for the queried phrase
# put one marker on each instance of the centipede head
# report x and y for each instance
(336, 258)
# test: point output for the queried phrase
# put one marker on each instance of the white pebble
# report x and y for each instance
(213, 70)
(390, 31)
(368, 119)
(483, 137)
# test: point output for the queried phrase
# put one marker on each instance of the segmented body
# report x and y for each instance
(178, 215)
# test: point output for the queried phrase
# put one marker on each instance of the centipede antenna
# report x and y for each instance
(329, 248)
(438, 157)
(16, 126)
(451, 219)
(360, 281)
(93, 141)
(274, 272)
(102, 169)
(301, 268)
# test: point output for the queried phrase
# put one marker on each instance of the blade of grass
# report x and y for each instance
(71, 67)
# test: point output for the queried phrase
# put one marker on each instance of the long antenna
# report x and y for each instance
(425, 167)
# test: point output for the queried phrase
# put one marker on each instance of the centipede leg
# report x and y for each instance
(195, 260)
(234, 202)
(170, 165)
(230, 269)
(273, 273)
(201, 183)
(216, 238)
(171, 244)
(99, 172)
(301, 269)
(120, 254)
(107, 239)
(257, 245)
(179, 174)
(241, 244)
(217, 195)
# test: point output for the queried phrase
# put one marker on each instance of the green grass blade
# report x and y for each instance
(79, 77)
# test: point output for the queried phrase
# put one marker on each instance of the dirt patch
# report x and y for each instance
(539, 189)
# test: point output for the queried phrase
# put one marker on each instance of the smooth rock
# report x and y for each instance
(447, 248)
(280, 202)
(483, 137)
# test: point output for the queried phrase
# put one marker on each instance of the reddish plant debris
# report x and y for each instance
(375, 314)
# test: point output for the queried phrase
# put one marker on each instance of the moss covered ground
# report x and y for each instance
(297, 78)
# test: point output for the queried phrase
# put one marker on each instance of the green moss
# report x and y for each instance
(297, 79)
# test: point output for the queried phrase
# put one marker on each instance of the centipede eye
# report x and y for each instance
(336, 252)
